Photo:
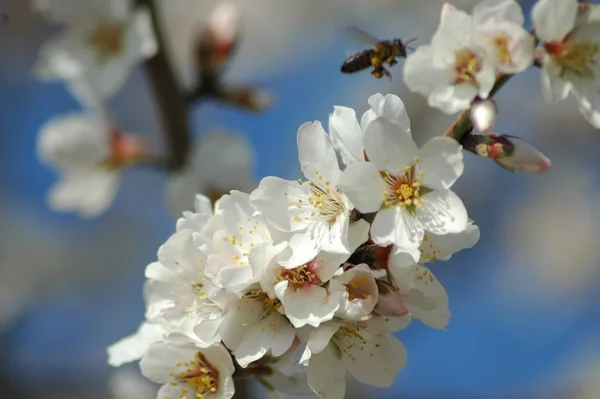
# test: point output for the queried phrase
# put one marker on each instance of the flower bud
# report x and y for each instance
(219, 37)
(515, 154)
(390, 302)
(483, 114)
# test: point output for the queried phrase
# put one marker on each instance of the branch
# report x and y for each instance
(172, 107)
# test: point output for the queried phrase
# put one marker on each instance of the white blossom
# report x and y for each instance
(570, 44)
(409, 188)
(302, 287)
(498, 30)
(453, 69)
(294, 283)
(89, 156)
(101, 44)
(365, 349)
(316, 213)
(189, 372)
(347, 133)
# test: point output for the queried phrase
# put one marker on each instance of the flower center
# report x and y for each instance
(356, 288)
(200, 376)
(404, 190)
(466, 67)
(501, 43)
(301, 275)
(107, 40)
(327, 201)
(576, 57)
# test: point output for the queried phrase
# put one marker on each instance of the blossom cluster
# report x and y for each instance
(321, 271)
(469, 51)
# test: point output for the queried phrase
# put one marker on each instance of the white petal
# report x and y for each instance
(442, 212)
(396, 226)
(554, 86)
(390, 107)
(273, 333)
(280, 201)
(453, 98)
(316, 154)
(423, 295)
(311, 305)
(320, 337)
(421, 75)
(326, 376)
(376, 358)
(162, 359)
(363, 185)
(588, 97)
(554, 19)
(444, 246)
(441, 160)
(133, 347)
(346, 134)
(389, 146)
(498, 10)
(89, 193)
(74, 141)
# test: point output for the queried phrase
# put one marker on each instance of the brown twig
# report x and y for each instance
(173, 109)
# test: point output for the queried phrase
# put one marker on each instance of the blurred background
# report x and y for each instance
(526, 320)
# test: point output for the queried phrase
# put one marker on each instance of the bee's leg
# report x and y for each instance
(391, 61)
(377, 73)
(386, 73)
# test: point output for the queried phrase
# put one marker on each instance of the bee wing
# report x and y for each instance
(360, 35)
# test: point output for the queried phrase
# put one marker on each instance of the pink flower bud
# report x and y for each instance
(224, 22)
(218, 37)
(483, 115)
(390, 302)
(515, 154)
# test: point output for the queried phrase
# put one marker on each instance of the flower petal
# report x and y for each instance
(498, 10)
(441, 160)
(396, 226)
(346, 134)
(389, 146)
(326, 376)
(442, 212)
(363, 185)
(554, 19)
(316, 154)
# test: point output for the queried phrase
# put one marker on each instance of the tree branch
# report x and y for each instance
(173, 108)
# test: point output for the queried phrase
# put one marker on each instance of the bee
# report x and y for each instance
(383, 51)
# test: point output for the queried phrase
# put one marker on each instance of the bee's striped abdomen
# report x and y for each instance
(357, 62)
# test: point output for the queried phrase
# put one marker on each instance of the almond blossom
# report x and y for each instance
(465, 51)
(189, 372)
(294, 268)
(409, 188)
(100, 45)
(366, 350)
(569, 32)
(316, 214)
(89, 155)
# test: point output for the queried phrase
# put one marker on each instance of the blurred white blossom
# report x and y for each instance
(465, 52)
(89, 156)
(101, 43)
(570, 36)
